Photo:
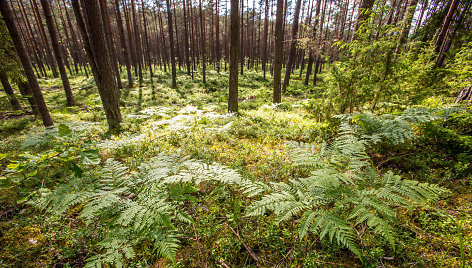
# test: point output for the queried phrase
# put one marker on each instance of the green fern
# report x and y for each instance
(344, 192)
(132, 208)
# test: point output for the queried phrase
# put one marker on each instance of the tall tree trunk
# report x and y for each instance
(25, 62)
(97, 52)
(407, 24)
(124, 45)
(202, 40)
(137, 39)
(311, 56)
(146, 38)
(266, 29)
(445, 26)
(171, 41)
(109, 37)
(131, 41)
(241, 48)
(57, 52)
(44, 38)
(293, 46)
(233, 58)
(186, 42)
(9, 91)
(365, 9)
(277, 94)
(217, 39)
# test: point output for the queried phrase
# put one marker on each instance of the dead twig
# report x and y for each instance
(249, 250)
(198, 245)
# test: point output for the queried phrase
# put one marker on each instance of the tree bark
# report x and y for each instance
(96, 47)
(25, 62)
(277, 94)
(124, 45)
(233, 60)
(293, 47)
(171, 41)
(202, 41)
(57, 52)
(9, 91)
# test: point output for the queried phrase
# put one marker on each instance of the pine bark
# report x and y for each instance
(171, 41)
(57, 52)
(202, 42)
(26, 63)
(95, 45)
(124, 45)
(293, 46)
(277, 94)
(9, 91)
(233, 58)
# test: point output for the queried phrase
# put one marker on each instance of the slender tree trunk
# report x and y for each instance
(217, 29)
(311, 56)
(277, 94)
(266, 29)
(43, 37)
(57, 52)
(202, 40)
(9, 91)
(407, 24)
(124, 45)
(241, 48)
(186, 42)
(97, 52)
(365, 9)
(171, 41)
(25, 62)
(146, 38)
(233, 61)
(109, 37)
(137, 39)
(293, 46)
(131, 41)
(445, 26)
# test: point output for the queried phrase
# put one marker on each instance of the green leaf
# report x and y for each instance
(64, 130)
(77, 171)
(90, 157)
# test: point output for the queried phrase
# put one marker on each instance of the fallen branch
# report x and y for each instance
(249, 250)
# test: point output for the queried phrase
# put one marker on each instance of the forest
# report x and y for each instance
(236, 133)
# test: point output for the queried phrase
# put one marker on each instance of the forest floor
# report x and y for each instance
(192, 120)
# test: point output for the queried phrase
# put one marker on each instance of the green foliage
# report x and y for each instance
(133, 209)
(461, 68)
(345, 195)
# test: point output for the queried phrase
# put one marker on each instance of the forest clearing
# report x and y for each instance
(271, 133)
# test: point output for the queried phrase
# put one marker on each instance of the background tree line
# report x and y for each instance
(103, 38)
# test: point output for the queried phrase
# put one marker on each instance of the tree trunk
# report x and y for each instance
(57, 52)
(277, 94)
(445, 26)
(293, 47)
(137, 39)
(124, 45)
(25, 62)
(365, 9)
(171, 41)
(407, 24)
(109, 37)
(186, 42)
(9, 91)
(96, 47)
(266, 29)
(233, 60)
(43, 37)
(202, 40)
